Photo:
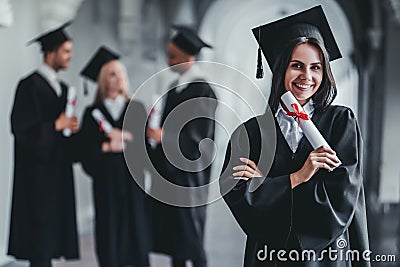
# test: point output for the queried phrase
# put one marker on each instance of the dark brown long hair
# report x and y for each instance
(327, 91)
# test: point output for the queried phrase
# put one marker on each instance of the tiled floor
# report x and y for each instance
(224, 244)
(225, 241)
(384, 235)
(87, 256)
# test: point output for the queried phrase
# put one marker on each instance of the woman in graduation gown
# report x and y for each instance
(120, 206)
(308, 201)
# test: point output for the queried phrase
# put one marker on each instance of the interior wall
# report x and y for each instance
(17, 60)
(389, 190)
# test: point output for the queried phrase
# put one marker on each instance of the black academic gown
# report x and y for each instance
(314, 215)
(179, 231)
(122, 234)
(43, 221)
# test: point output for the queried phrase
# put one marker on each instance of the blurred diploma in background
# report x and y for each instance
(6, 14)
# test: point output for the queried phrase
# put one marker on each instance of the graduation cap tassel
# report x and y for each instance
(260, 69)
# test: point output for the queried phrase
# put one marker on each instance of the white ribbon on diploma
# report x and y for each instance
(301, 117)
(155, 117)
(70, 108)
(101, 120)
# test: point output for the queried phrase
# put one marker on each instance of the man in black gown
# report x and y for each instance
(179, 231)
(43, 221)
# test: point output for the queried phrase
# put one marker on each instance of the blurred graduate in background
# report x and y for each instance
(43, 220)
(122, 235)
(179, 231)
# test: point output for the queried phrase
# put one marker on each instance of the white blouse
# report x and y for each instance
(192, 74)
(51, 76)
(115, 106)
(289, 127)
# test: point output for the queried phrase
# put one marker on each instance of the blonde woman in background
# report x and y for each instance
(121, 222)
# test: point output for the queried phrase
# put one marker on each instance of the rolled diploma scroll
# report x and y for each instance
(102, 121)
(155, 119)
(310, 131)
(70, 108)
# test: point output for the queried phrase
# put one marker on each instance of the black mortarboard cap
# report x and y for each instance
(311, 23)
(187, 40)
(92, 69)
(102, 56)
(51, 39)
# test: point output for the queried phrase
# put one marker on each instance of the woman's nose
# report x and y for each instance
(306, 75)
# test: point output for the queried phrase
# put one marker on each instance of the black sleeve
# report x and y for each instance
(91, 139)
(324, 207)
(135, 123)
(317, 211)
(31, 131)
(264, 213)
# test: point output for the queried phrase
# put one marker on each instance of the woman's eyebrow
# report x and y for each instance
(299, 61)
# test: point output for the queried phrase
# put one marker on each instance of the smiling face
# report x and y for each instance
(304, 73)
(113, 79)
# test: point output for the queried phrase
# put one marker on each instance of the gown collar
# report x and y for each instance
(192, 74)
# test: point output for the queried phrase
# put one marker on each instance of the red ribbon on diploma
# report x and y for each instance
(101, 126)
(72, 102)
(297, 114)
